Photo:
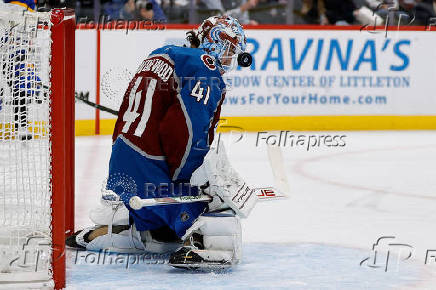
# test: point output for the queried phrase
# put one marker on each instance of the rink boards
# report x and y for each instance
(302, 78)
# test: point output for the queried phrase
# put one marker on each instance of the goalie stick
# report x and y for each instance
(275, 158)
(276, 161)
(100, 107)
(135, 202)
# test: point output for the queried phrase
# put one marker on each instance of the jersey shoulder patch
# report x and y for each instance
(208, 61)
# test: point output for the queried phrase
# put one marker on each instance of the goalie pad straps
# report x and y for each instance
(225, 182)
(222, 237)
(127, 241)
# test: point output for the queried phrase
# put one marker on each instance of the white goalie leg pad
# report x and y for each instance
(105, 215)
(112, 212)
(225, 182)
(127, 241)
(109, 212)
(222, 237)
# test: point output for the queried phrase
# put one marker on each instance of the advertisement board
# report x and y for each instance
(295, 72)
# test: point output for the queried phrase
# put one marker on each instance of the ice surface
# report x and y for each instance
(342, 200)
(266, 266)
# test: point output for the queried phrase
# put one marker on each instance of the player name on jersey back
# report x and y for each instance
(158, 65)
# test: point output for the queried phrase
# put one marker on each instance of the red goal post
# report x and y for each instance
(62, 137)
(36, 145)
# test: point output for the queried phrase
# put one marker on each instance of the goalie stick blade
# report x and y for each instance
(276, 161)
(269, 193)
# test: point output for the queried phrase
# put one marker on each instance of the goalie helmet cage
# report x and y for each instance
(36, 145)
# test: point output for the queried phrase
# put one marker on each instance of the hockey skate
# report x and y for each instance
(213, 243)
(192, 256)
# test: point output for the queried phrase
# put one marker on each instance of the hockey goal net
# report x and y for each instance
(36, 145)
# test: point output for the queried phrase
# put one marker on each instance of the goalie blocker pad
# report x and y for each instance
(225, 182)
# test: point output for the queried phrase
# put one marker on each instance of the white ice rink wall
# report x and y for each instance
(302, 78)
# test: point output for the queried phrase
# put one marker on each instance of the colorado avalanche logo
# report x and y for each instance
(208, 61)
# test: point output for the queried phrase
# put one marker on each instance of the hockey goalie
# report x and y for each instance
(162, 147)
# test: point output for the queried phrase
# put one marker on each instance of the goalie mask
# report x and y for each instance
(223, 38)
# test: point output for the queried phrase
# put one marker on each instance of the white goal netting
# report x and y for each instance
(25, 191)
